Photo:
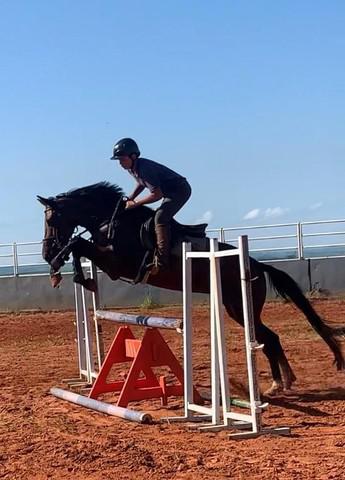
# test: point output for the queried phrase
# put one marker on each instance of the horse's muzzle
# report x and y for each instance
(55, 279)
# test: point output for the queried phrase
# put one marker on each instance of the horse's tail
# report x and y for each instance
(288, 289)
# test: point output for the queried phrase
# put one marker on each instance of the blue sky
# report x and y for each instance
(246, 99)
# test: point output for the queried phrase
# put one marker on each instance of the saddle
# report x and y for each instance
(178, 232)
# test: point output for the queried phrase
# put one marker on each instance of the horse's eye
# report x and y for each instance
(49, 214)
(51, 217)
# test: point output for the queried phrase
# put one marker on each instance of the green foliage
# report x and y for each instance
(149, 303)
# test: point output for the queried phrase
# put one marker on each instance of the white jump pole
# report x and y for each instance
(125, 413)
(85, 353)
(139, 320)
(98, 326)
(250, 339)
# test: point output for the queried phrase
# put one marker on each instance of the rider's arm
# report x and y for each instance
(138, 189)
(154, 196)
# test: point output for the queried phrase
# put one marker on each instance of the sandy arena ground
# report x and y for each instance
(42, 437)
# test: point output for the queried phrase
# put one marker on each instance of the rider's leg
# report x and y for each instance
(163, 245)
(169, 207)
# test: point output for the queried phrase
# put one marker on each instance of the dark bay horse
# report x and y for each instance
(92, 207)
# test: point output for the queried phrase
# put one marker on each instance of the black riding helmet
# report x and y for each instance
(125, 146)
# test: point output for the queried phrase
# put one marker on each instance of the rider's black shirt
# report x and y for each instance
(153, 175)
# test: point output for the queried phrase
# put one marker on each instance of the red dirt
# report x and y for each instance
(42, 437)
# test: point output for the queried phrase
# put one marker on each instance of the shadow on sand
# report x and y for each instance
(289, 400)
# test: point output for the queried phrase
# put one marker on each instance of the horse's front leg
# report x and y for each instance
(103, 260)
(78, 247)
(57, 262)
(106, 261)
(78, 274)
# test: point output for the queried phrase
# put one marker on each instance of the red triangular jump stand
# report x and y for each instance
(151, 351)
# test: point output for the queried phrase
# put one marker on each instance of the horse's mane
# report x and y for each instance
(102, 190)
(103, 197)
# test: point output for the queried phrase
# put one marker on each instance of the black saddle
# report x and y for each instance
(178, 232)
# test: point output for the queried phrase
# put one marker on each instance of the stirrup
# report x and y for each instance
(143, 272)
(150, 265)
(158, 267)
(154, 267)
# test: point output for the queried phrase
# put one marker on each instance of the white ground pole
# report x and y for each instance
(132, 415)
(220, 417)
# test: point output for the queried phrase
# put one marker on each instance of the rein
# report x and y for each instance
(112, 224)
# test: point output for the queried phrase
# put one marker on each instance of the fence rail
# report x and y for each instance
(274, 242)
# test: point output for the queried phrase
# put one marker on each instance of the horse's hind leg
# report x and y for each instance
(288, 376)
(282, 373)
(272, 348)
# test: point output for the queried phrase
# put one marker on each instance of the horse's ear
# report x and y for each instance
(47, 202)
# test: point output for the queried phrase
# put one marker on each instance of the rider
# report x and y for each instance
(163, 183)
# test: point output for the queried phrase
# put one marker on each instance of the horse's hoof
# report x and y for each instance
(275, 390)
(90, 285)
(55, 279)
(289, 383)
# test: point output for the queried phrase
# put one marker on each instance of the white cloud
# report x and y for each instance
(275, 212)
(252, 214)
(316, 205)
(267, 213)
(206, 217)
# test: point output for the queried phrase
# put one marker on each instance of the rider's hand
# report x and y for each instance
(130, 204)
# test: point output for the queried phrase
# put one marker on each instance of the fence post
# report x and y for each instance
(15, 259)
(300, 252)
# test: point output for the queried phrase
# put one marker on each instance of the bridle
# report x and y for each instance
(54, 238)
(63, 249)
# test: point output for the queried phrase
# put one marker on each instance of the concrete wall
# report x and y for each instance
(325, 276)
(26, 293)
(35, 293)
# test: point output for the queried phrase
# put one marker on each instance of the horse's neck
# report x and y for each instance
(128, 232)
(92, 221)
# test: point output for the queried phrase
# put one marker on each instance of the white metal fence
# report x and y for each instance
(21, 258)
(290, 241)
(276, 242)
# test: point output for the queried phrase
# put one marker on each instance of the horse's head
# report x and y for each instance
(91, 207)
(59, 226)
(87, 207)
